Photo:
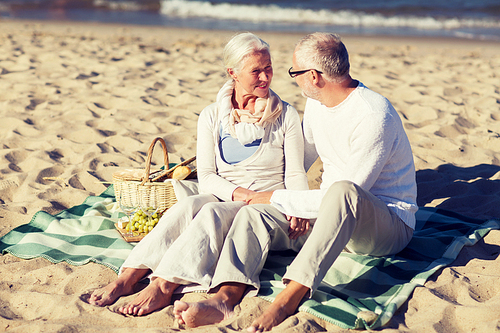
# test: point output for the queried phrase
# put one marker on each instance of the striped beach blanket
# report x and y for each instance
(364, 292)
(359, 292)
(79, 235)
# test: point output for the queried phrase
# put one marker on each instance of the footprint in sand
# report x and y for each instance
(75, 183)
(46, 176)
(8, 183)
(34, 103)
(85, 76)
(56, 155)
(16, 156)
(107, 133)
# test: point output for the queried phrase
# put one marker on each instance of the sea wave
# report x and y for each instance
(278, 14)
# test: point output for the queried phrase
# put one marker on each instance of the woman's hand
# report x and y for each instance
(242, 194)
(259, 198)
(298, 226)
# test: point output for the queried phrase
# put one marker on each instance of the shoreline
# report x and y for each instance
(161, 36)
(81, 100)
(143, 29)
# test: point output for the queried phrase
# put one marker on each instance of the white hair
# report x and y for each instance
(241, 46)
(324, 52)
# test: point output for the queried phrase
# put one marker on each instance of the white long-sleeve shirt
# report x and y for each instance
(361, 140)
(278, 163)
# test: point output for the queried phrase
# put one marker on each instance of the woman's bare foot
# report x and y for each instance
(157, 295)
(123, 285)
(210, 311)
(285, 304)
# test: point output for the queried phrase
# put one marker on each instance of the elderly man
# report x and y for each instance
(366, 204)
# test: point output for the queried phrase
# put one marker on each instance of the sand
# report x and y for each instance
(79, 101)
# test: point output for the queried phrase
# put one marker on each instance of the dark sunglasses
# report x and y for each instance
(295, 73)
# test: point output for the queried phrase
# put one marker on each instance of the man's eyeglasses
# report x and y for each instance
(302, 71)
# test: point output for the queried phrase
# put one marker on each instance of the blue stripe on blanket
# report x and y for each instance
(354, 286)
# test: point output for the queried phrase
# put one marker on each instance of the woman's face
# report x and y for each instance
(255, 75)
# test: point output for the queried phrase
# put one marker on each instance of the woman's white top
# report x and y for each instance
(282, 145)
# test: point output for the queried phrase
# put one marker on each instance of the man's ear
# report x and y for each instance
(315, 78)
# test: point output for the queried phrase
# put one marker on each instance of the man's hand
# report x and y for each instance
(259, 198)
(298, 226)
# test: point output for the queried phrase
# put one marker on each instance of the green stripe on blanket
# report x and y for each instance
(380, 285)
(78, 235)
(355, 284)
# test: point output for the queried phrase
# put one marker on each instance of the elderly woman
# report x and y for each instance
(249, 140)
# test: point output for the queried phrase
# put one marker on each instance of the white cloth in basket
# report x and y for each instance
(183, 188)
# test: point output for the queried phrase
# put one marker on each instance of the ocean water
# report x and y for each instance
(471, 19)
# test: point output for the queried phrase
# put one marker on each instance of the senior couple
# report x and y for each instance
(254, 197)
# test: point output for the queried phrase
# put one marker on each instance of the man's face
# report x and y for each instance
(304, 82)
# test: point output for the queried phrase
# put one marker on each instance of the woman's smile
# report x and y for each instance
(255, 76)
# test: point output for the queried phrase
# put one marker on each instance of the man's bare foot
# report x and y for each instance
(157, 295)
(285, 304)
(274, 315)
(123, 285)
(213, 310)
(206, 312)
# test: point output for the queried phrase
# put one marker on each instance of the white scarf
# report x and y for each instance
(242, 124)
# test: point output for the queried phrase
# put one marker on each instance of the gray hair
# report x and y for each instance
(241, 46)
(324, 52)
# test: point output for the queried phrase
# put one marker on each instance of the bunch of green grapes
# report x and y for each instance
(141, 223)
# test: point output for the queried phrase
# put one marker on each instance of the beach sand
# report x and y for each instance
(79, 101)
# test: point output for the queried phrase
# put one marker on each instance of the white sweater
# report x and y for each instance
(361, 140)
(282, 145)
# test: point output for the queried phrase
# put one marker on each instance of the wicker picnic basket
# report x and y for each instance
(150, 189)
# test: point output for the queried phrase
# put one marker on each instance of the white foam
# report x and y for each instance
(276, 14)
(120, 5)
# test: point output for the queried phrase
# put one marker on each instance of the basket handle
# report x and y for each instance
(167, 173)
(145, 178)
